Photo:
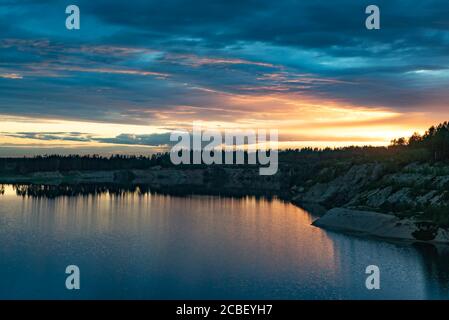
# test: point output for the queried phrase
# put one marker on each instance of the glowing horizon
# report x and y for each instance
(120, 85)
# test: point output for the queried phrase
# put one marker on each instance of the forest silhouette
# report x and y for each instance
(432, 146)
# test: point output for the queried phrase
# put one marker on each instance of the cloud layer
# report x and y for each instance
(246, 62)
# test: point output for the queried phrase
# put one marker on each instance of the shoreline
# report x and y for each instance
(339, 219)
(381, 226)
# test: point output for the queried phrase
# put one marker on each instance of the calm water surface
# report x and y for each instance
(153, 246)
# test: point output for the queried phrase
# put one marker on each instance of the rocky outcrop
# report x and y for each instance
(343, 188)
(371, 186)
(410, 203)
(381, 225)
(414, 188)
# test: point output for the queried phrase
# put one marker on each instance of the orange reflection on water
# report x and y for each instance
(248, 230)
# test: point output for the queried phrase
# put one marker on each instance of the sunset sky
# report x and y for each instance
(138, 69)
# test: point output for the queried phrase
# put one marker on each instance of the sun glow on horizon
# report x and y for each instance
(307, 123)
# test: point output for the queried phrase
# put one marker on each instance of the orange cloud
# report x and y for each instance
(10, 76)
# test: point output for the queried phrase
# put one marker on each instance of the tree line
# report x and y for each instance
(81, 163)
(435, 141)
(433, 145)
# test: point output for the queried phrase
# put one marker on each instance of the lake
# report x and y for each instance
(142, 245)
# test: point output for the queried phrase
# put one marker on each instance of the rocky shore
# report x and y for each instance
(205, 179)
(408, 203)
(380, 199)
(381, 225)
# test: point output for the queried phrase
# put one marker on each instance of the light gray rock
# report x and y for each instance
(380, 225)
(345, 187)
(377, 199)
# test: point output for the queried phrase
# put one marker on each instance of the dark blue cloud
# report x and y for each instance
(153, 140)
(132, 61)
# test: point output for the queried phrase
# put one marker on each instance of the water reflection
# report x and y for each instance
(134, 243)
(71, 190)
(435, 261)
